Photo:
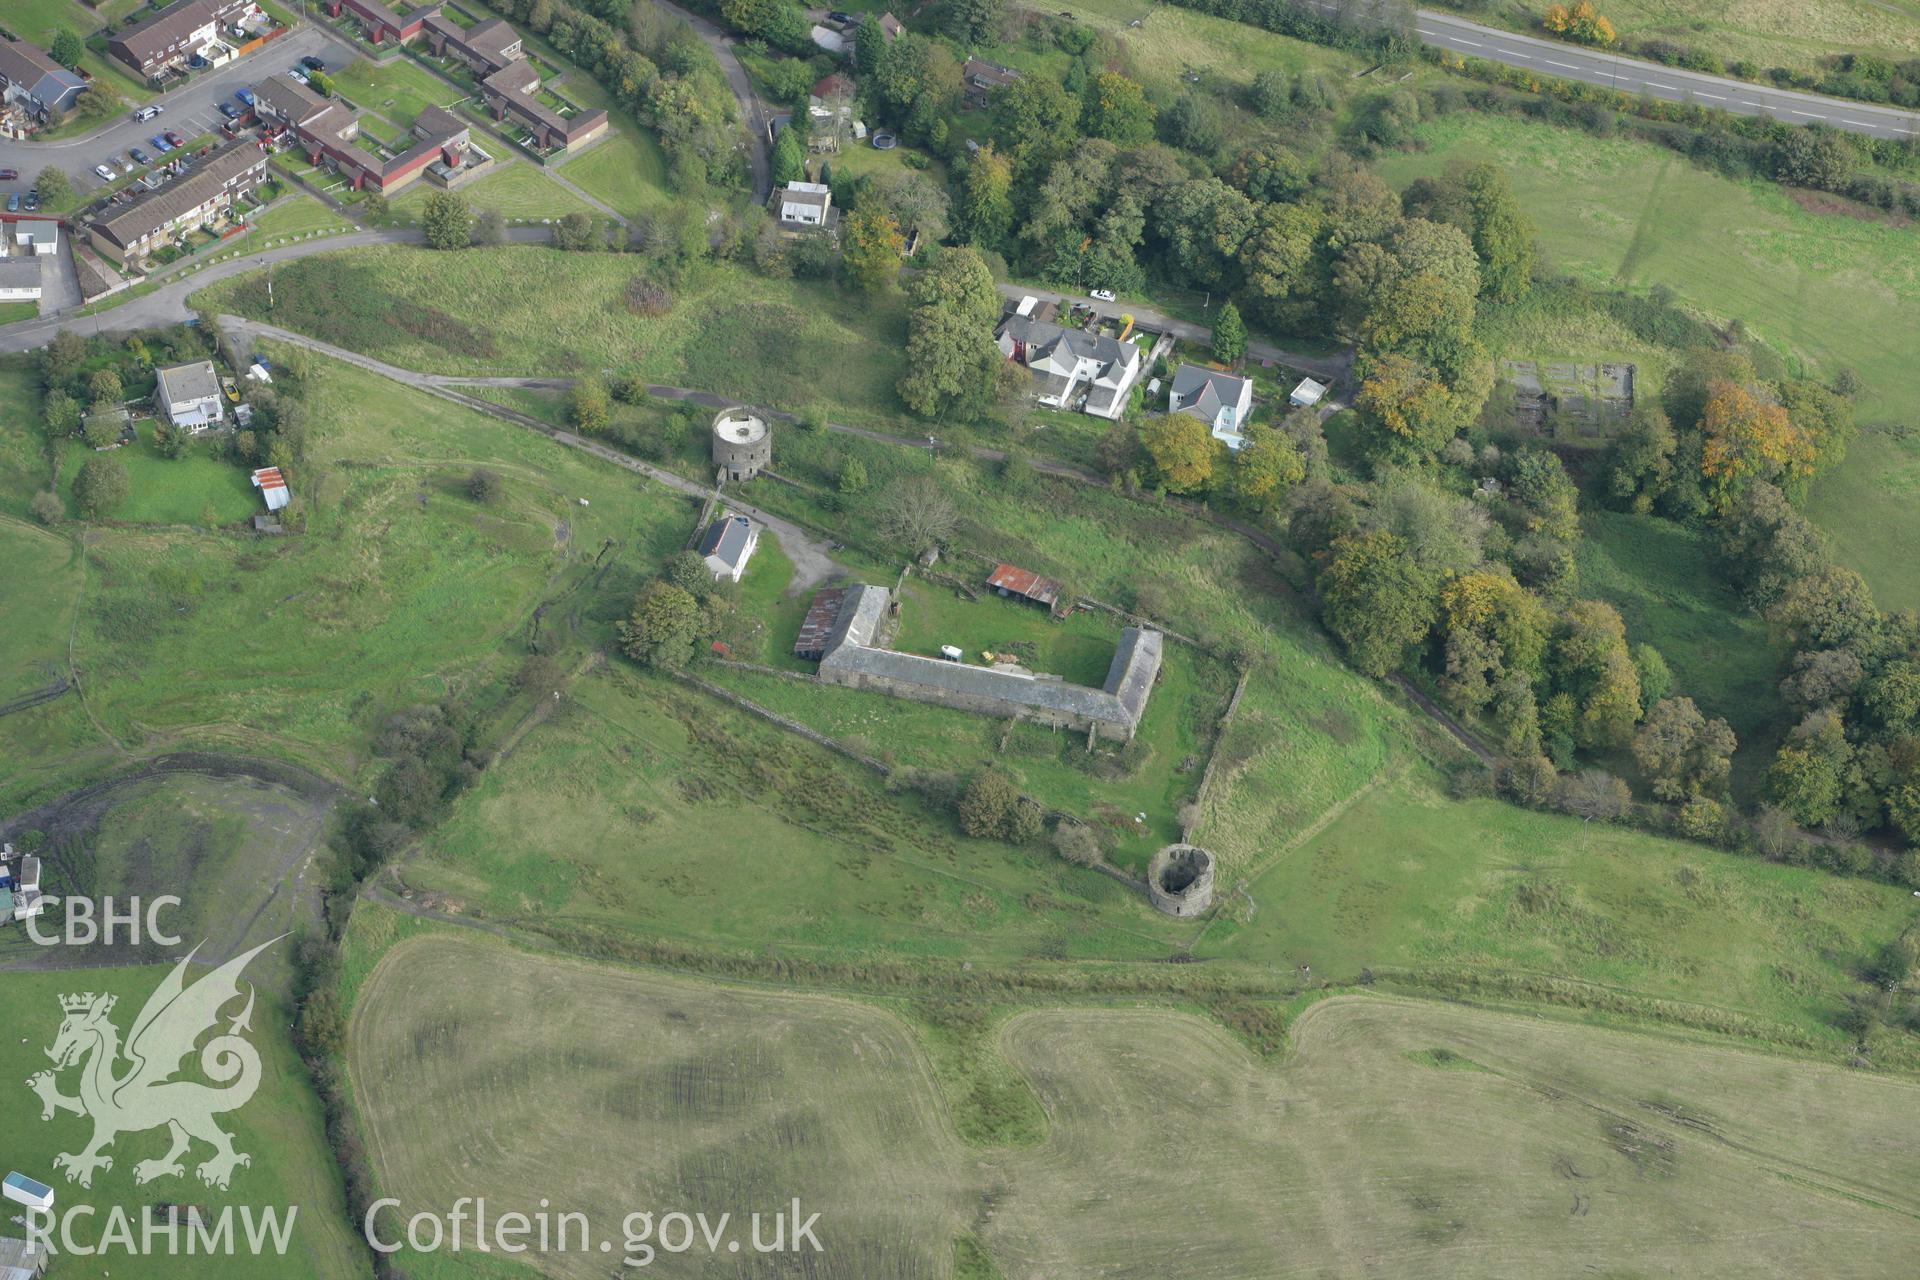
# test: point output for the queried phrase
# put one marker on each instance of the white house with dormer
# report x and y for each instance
(1222, 400)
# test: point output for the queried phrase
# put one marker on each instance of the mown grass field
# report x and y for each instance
(296, 217)
(1769, 33)
(1405, 878)
(280, 1128)
(784, 343)
(1870, 507)
(398, 90)
(1396, 1133)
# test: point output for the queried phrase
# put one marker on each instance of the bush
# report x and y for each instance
(987, 807)
(101, 485)
(46, 507)
(646, 297)
(485, 486)
(1076, 843)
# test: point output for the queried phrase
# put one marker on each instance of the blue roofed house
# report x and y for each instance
(1222, 400)
(29, 78)
(727, 545)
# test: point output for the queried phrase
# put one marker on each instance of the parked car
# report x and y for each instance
(312, 63)
(836, 15)
(228, 110)
(147, 113)
(175, 139)
(138, 156)
(13, 203)
(297, 74)
(8, 175)
(1100, 295)
(105, 173)
(244, 97)
(32, 202)
(159, 143)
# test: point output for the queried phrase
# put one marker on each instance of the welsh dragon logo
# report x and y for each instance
(145, 1095)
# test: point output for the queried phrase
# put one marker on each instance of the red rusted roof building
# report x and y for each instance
(1011, 580)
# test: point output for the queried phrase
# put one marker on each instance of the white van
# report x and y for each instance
(147, 113)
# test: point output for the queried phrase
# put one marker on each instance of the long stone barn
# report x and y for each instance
(853, 659)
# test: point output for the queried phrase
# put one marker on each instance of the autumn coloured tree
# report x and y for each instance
(1405, 413)
(1748, 438)
(986, 199)
(1182, 451)
(1582, 24)
(875, 247)
(1264, 469)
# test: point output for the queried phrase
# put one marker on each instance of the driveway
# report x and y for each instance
(190, 111)
(59, 286)
(1331, 368)
(752, 113)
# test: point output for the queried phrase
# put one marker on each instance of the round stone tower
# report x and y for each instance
(742, 443)
(1180, 880)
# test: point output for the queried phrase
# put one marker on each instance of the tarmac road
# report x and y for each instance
(1670, 84)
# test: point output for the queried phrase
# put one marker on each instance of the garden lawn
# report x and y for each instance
(14, 312)
(626, 169)
(296, 215)
(196, 488)
(517, 191)
(398, 90)
(783, 343)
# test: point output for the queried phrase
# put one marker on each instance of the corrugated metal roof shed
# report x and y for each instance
(1013, 580)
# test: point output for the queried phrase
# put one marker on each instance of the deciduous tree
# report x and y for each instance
(1182, 451)
(101, 485)
(1376, 600)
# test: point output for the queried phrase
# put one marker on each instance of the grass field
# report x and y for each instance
(784, 343)
(399, 579)
(1870, 507)
(643, 807)
(626, 169)
(398, 90)
(196, 488)
(1828, 290)
(44, 568)
(23, 441)
(1663, 579)
(296, 217)
(1156, 776)
(513, 191)
(280, 1128)
(1769, 33)
(1397, 1133)
(1408, 879)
